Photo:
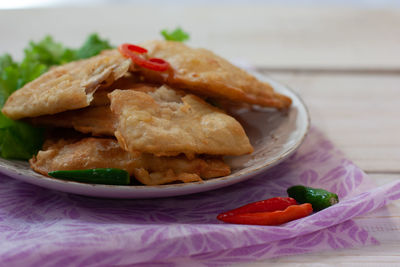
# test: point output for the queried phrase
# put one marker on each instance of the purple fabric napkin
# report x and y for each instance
(40, 227)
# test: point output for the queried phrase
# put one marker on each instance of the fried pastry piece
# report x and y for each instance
(128, 81)
(90, 153)
(166, 124)
(66, 87)
(98, 120)
(203, 72)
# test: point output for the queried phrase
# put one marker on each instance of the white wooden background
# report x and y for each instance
(345, 62)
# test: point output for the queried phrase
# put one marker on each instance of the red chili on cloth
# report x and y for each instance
(271, 204)
(276, 217)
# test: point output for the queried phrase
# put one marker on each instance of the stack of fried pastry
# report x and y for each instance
(156, 125)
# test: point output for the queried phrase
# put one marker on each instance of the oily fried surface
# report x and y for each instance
(98, 120)
(66, 87)
(203, 72)
(128, 81)
(92, 153)
(164, 123)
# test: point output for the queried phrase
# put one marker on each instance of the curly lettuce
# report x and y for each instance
(19, 140)
(177, 35)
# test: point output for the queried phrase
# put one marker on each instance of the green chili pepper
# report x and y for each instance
(319, 198)
(110, 176)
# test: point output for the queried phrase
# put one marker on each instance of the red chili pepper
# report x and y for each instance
(156, 64)
(134, 52)
(278, 217)
(127, 49)
(272, 204)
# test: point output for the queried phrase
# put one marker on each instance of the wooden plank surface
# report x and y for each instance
(358, 112)
(268, 36)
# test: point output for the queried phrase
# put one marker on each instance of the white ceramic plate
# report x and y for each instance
(274, 136)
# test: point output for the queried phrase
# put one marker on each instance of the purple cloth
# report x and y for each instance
(40, 227)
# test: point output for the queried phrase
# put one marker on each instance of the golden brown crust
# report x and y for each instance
(164, 123)
(92, 153)
(128, 81)
(97, 120)
(67, 87)
(203, 72)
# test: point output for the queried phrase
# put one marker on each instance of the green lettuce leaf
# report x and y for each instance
(177, 35)
(93, 46)
(46, 52)
(19, 140)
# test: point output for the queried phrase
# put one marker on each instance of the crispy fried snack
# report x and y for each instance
(90, 153)
(66, 87)
(128, 81)
(203, 72)
(98, 120)
(165, 124)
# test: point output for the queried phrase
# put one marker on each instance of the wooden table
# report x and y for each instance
(344, 62)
